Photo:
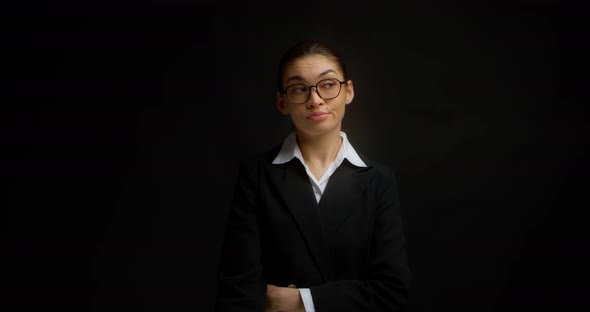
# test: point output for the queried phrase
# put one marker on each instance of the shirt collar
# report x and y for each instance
(290, 149)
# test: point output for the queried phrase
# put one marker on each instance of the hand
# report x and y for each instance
(283, 299)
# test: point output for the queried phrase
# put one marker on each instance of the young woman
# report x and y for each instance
(314, 225)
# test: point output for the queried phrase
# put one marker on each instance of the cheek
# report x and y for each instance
(338, 107)
(296, 115)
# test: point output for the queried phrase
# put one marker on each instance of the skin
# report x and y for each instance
(283, 299)
(319, 141)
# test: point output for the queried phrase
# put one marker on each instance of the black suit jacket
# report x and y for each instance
(348, 249)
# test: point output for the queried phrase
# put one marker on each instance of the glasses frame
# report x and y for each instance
(284, 91)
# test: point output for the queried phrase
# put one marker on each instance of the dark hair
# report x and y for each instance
(307, 48)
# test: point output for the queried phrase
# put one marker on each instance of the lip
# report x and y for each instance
(318, 116)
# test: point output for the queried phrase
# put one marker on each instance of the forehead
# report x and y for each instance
(311, 67)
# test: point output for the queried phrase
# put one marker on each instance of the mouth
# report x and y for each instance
(318, 116)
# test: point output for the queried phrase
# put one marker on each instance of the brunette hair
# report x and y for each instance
(307, 48)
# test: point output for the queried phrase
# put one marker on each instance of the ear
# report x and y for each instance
(349, 92)
(281, 104)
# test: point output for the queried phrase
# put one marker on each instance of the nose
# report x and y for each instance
(314, 98)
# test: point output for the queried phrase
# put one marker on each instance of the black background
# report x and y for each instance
(123, 124)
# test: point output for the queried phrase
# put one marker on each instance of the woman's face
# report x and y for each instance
(315, 116)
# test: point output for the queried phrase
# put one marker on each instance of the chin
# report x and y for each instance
(318, 129)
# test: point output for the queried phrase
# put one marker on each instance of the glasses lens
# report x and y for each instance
(329, 88)
(297, 93)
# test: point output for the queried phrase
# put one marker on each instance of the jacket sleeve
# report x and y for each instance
(387, 274)
(241, 286)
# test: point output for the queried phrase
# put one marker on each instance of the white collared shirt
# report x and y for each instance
(291, 149)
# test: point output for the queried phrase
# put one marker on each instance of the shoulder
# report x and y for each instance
(253, 161)
(379, 167)
(383, 175)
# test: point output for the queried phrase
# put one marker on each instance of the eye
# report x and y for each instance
(328, 84)
(297, 89)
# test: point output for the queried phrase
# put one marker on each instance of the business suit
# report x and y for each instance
(348, 249)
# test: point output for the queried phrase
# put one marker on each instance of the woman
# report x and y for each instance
(314, 225)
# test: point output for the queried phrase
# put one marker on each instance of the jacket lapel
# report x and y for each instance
(343, 195)
(293, 184)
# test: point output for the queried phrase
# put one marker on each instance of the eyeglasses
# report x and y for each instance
(326, 89)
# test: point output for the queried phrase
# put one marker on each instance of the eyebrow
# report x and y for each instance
(297, 77)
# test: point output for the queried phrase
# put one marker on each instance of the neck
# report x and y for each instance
(319, 150)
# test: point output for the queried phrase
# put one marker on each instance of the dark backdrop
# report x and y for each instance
(123, 125)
